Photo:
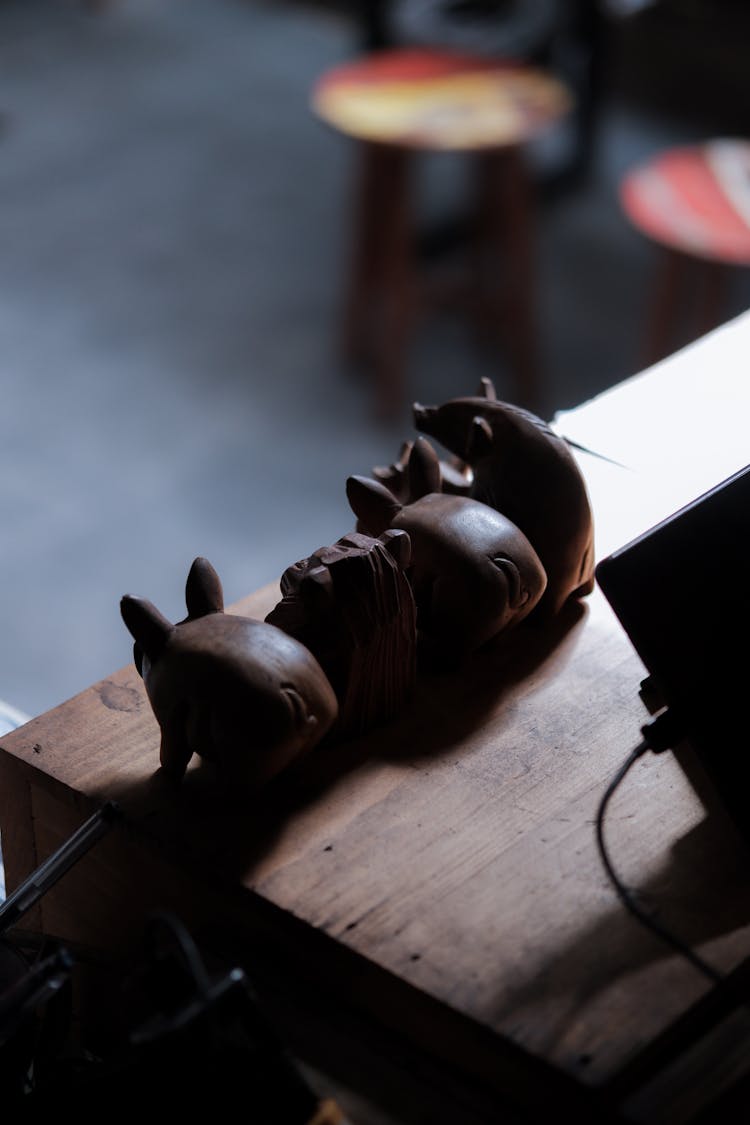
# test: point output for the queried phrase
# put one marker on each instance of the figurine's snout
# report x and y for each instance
(423, 415)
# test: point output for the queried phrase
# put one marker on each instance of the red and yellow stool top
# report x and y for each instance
(434, 99)
(695, 199)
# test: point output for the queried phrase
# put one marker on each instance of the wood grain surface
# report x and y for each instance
(454, 847)
(442, 869)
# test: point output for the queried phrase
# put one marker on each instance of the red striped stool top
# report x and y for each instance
(695, 199)
(437, 99)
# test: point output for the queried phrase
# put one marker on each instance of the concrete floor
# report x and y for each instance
(173, 223)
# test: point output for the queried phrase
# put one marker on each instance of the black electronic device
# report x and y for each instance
(682, 593)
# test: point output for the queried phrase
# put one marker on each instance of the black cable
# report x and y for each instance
(624, 894)
(191, 959)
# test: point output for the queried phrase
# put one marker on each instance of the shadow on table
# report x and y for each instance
(699, 893)
(232, 832)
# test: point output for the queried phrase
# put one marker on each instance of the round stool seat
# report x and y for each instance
(442, 100)
(695, 199)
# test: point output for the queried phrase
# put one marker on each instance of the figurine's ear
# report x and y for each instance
(487, 390)
(303, 720)
(383, 472)
(398, 545)
(316, 588)
(203, 592)
(480, 438)
(290, 580)
(394, 475)
(372, 504)
(148, 628)
(424, 470)
(423, 415)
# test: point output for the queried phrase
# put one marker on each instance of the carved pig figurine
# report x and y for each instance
(472, 571)
(235, 691)
(527, 472)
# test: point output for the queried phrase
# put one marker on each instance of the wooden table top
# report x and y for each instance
(454, 849)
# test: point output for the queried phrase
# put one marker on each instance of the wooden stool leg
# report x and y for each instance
(360, 279)
(715, 278)
(396, 279)
(506, 224)
(664, 306)
(486, 310)
(379, 301)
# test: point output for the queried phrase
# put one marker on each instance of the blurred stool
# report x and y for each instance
(399, 102)
(695, 202)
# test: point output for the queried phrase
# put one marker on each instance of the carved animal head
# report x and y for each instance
(233, 690)
(351, 604)
(473, 572)
(462, 424)
(526, 471)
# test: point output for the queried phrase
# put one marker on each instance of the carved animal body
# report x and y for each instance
(472, 571)
(235, 691)
(524, 470)
(351, 604)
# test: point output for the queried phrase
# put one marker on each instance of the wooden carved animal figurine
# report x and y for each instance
(472, 571)
(455, 476)
(351, 604)
(524, 470)
(237, 692)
